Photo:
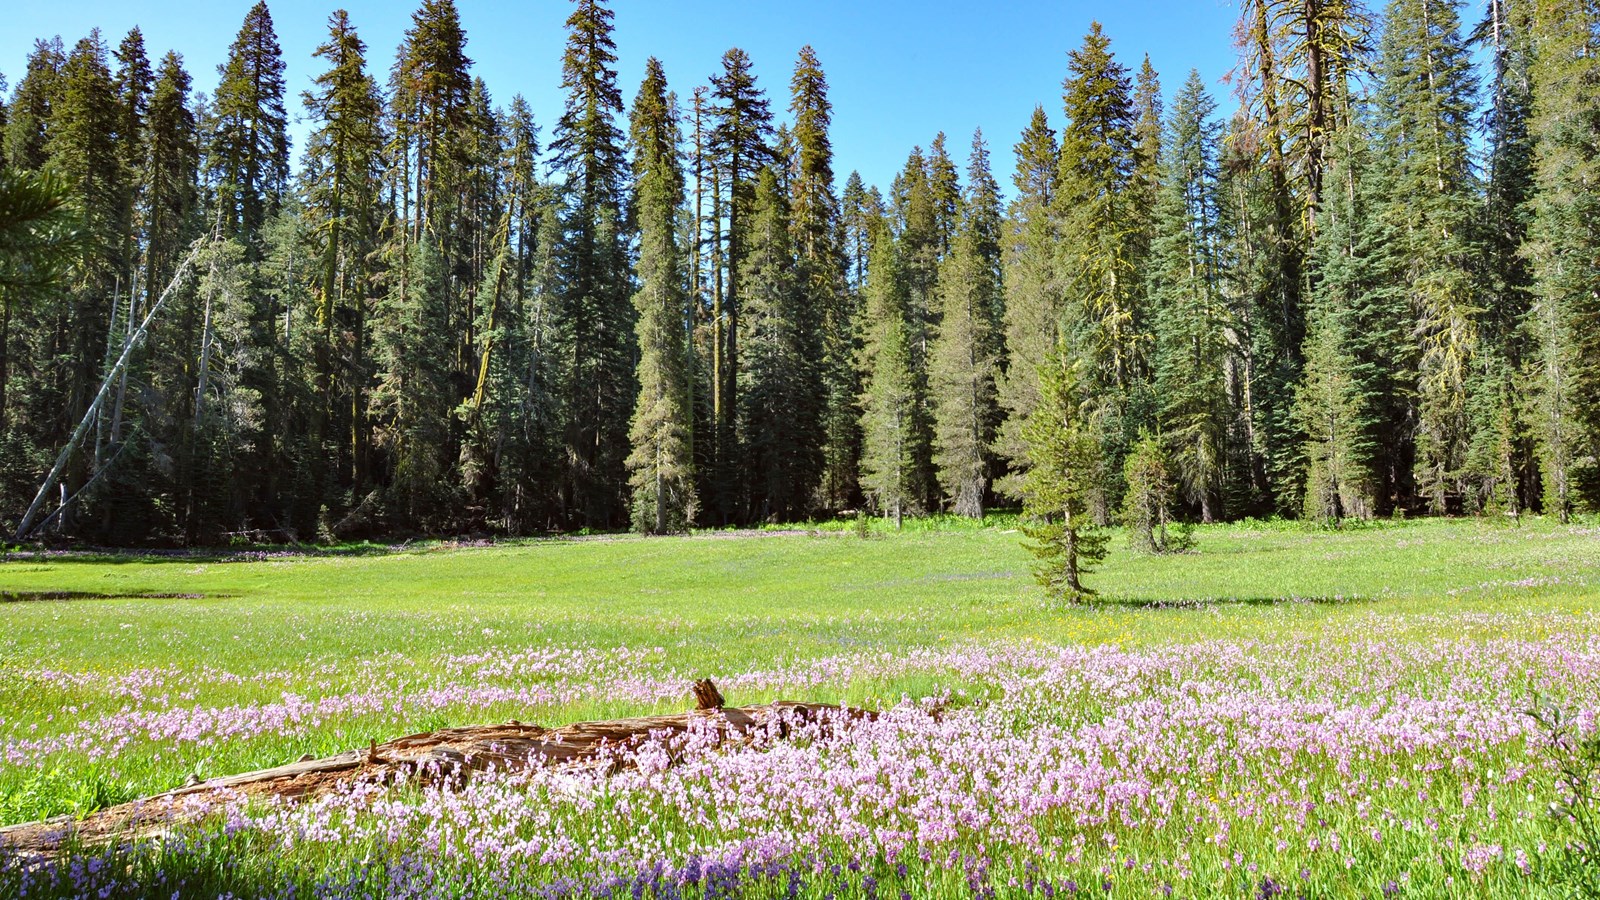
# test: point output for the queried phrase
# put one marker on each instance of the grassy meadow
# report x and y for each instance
(1286, 711)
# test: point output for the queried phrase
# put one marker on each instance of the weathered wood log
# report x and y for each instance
(447, 757)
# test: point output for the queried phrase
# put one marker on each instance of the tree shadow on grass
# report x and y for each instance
(57, 596)
(1143, 603)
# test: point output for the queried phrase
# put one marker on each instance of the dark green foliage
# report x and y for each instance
(1565, 237)
(29, 114)
(1339, 305)
(595, 318)
(1490, 469)
(339, 182)
(891, 435)
(1353, 402)
(739, 146)
(966, 353)
(1191, 320)
(1033, 308)
(248, 157)
(1507, 34)
(820, 232)
(1059, 491)
(661, 465)
(1430, 211)
(172, 218)
(1147, 507)
(1098, 205)
(412, 398)
(39, 242)
(780, 378)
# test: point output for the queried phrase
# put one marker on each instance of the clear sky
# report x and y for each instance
(900, 71)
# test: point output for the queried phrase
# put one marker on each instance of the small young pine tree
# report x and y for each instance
(1059, 489)
(1147, 506)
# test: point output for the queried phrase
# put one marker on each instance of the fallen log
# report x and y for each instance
(446, 757)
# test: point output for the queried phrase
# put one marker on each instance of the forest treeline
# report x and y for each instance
(1374, 288)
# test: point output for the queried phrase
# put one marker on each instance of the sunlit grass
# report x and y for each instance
(346, 648)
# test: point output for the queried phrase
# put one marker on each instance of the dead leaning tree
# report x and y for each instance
(25, 528)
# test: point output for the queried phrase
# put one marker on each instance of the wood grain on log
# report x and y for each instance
(447, 757)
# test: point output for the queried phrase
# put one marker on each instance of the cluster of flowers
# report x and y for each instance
(1343, 762)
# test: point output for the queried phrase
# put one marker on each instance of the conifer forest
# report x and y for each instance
(1359, 280)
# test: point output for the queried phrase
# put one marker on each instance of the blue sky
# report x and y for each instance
(900, 70)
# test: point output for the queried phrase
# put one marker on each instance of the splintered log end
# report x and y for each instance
(706, 695)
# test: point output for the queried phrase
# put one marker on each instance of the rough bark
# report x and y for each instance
(448, 757)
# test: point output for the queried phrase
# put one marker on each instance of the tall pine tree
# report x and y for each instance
(966, 353)
(1565, 245)
(1191, 322)
(1033, 307)
(596, 315)
(1423, 110)
(661, 465)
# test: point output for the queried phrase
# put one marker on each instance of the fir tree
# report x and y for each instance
(1191, 321)
(1300, 57)
(915, 213)
(965, 354)
(818, 230)
(1060, 487)
(1423, 109)
(343, 163)
(596, 315)
(780, 380)
(1147, 505)
(1099, 159)
(1147, 130)
(39, 242)
(1353, 403)
(523, 403)
(661, 464)
(1492, 454)
(172, 219)
(227, 414)
(944, 189)
(412, 400)
(1506, 276)
(740, 146)
(171, 186)
(434, 130)
(860, 214)
(890, 455)
(134, 83)
(28, 118)
(248, 158)
(857, 213)
(83, 147)
(1506, 34)
(1100, 237)
(431, 86)
(1565, 243)
(1273, 155)
(1033, 309)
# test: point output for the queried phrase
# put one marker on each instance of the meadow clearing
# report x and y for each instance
(1285, 712)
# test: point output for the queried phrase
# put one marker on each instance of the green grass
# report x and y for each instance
(714, 604)
(715, 599)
